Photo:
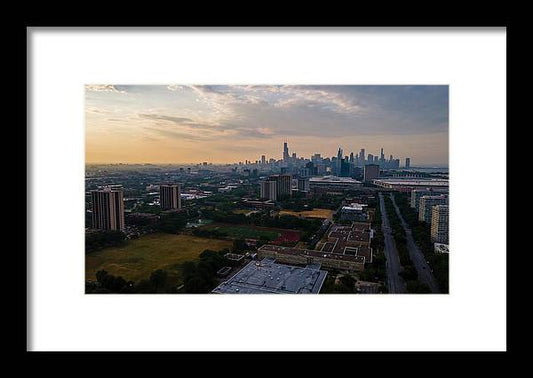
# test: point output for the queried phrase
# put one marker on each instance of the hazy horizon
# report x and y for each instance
(221, 124)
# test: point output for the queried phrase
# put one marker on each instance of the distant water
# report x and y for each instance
(431, 169)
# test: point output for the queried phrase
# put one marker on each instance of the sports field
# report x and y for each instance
(140, 257)
(315, 213)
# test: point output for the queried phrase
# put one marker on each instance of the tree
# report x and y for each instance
(172, 222)
(158, 279)
(197, 285)
(100, 275)
(239, 245)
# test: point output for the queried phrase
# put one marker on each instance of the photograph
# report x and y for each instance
(266, 189)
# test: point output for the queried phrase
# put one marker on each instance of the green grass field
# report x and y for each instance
(245, 232)
(140, 257)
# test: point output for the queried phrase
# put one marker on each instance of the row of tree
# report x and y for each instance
(200, 276)
(421, 232)
(409, 272)
(95, 240)
(109, 284)
(262, 219)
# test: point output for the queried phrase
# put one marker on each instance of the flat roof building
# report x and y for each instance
(269, 277)
(107, 209)
(303, 185)
(409, 184)
(269, 190)
(370, 172)
(416, 195)
(439, 224)
(344, 261)
(170, 196)
(425, 210)
(441, 248)
(333, 184)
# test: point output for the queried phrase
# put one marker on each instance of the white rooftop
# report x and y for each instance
(330, 178)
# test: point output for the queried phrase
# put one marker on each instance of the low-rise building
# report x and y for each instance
(354, 212)
(409, 184)
(305, 256)
(333, 184)
(270, 277)
(441, 248)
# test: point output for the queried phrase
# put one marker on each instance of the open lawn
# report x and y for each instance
(140, 257)
(315, 213)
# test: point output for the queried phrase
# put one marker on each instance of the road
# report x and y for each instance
(417, 257)
(395, 283)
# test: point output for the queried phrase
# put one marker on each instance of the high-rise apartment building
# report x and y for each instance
(439, 224)
(107, 209)
(269, 190)
(170, 196)
(426, 206)
(415, 197)
(283, 184)
(371, 172)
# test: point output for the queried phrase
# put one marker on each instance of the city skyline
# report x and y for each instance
(173, 124)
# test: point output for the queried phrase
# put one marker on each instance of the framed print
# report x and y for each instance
(325, 184)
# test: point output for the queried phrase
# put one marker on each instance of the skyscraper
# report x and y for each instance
(439, 224)
(345, 168)
(407, 163)
(351, 158)
(371, 172)
(339, 162)
(263, 159)
(170, 196)
(107, 209)
(362, 156)
(285, 152)
(382, 157)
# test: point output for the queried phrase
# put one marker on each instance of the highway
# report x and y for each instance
(395, 283)
(425, 274)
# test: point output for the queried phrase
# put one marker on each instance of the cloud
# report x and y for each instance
(178, 120)
(175, 87)
(103, 88)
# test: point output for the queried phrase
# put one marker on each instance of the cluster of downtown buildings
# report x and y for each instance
(323, 174)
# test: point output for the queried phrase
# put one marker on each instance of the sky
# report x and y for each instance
(232, 123)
